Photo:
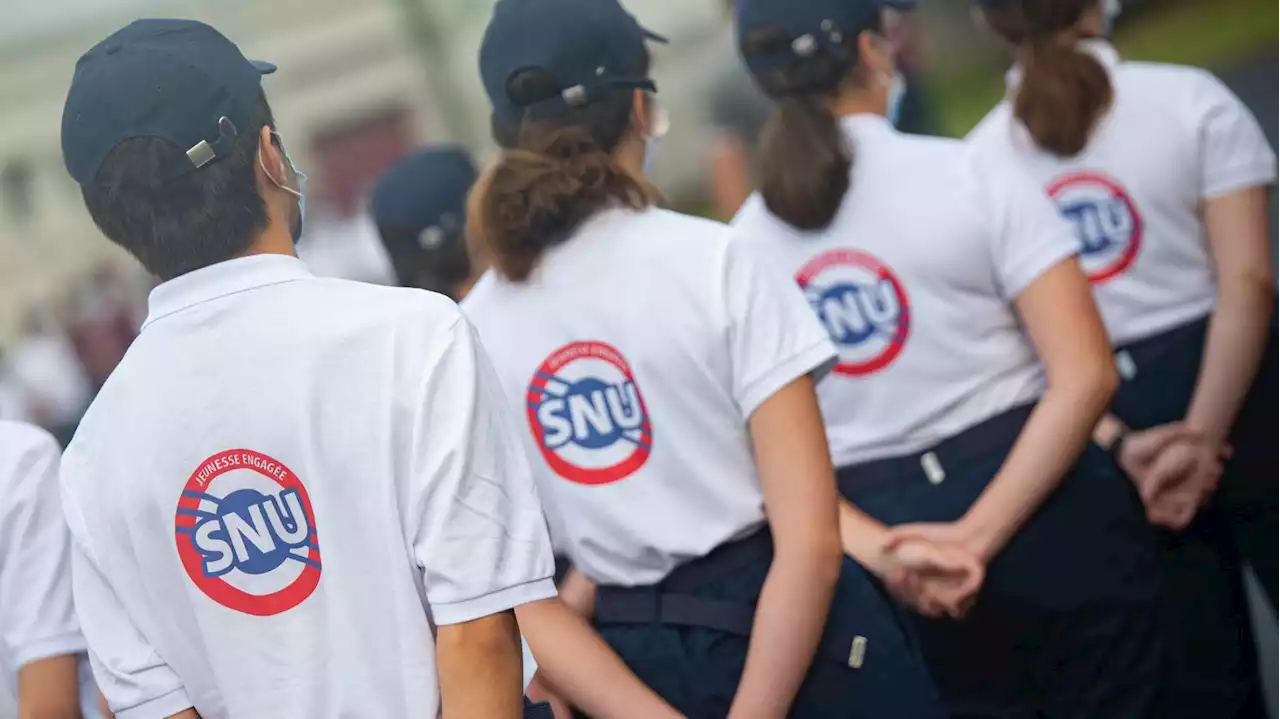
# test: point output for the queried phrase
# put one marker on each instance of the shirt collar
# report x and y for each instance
(220, 280)
(864, 122)
(1102, 50)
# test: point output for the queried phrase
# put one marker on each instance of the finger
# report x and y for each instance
(904, 533)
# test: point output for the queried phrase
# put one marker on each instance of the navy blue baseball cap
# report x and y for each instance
(179, 80)
(811, 25)
(424, 197)
(588, 46)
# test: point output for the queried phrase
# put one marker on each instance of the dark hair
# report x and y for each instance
(174, 225)
(805, 159)
(552, 175)
(1064, 92)
(440, 269)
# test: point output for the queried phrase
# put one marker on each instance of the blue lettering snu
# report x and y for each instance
(1100, 224)
(854, 313)
(590, 413)
(250, 531)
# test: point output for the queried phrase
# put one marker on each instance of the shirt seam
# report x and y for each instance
(152, 320)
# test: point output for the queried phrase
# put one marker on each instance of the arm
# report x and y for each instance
(582, 668)
(49, 689)
(473, 518)
(479, 667)
(38, 629)
(1237, 226)
(800, 496)
(1062, 320)
(578, 593)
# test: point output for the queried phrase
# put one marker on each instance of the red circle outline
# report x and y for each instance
(1126, 258)
(584, 475)
(216, 588)
(861, 259)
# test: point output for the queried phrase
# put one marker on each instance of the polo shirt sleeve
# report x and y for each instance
(135, 680)
(773, 333)
(1029, 235)
(475, 524)
(1234, 153)
(37, 618)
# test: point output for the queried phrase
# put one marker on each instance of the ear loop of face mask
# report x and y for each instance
(897, 86)
(301, 192)
(659, 124)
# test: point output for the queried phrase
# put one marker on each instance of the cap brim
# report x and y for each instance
(652, 36)
(265, 68)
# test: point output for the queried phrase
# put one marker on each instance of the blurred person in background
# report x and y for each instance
(973, 368)
(103, 322)
(44, 672)
(344, 247)
(419, 206)
(1164, 173)
(50, 378)
(737, 112)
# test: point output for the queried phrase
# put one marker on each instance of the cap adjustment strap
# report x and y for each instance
(204, 152)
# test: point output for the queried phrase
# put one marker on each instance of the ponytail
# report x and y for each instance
(1064, 91)
(805, 163)
(535, 196)
(1063, 94)
(805, 159)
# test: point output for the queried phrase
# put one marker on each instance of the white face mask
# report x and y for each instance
(1110, 11)
(897, 91)
(300, 193)
(660, 123)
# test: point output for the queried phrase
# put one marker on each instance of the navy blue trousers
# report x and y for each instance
(697, 670)
(1067, 624)
(1213, 669)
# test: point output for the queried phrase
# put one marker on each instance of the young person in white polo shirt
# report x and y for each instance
(1163, 172)
(295, 497)
(43, 668)
(665, 377)
(946, 282)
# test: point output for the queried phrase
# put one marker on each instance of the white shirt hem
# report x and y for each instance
(817, 359)
(493, 603)
(165, 705)
(58, 645)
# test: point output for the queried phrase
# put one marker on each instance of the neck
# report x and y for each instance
(629, 155)
(859, 103)
(275, 240)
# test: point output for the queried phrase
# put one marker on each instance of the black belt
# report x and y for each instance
(672, 602)
(1146, 351)
(999, 432)
(537, 711)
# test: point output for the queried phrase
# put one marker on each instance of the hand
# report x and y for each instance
(1180, 481)
(539, 691)
(930, 568)
(1141, 447)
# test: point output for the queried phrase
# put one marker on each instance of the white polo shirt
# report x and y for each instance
(281, 490)
(37, 618)
(914, 279)
(635, 355)
(1173, 138)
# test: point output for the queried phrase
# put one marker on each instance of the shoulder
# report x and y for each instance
(362, 305)
(23, 447)
(1183, 88)
(994, 127)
